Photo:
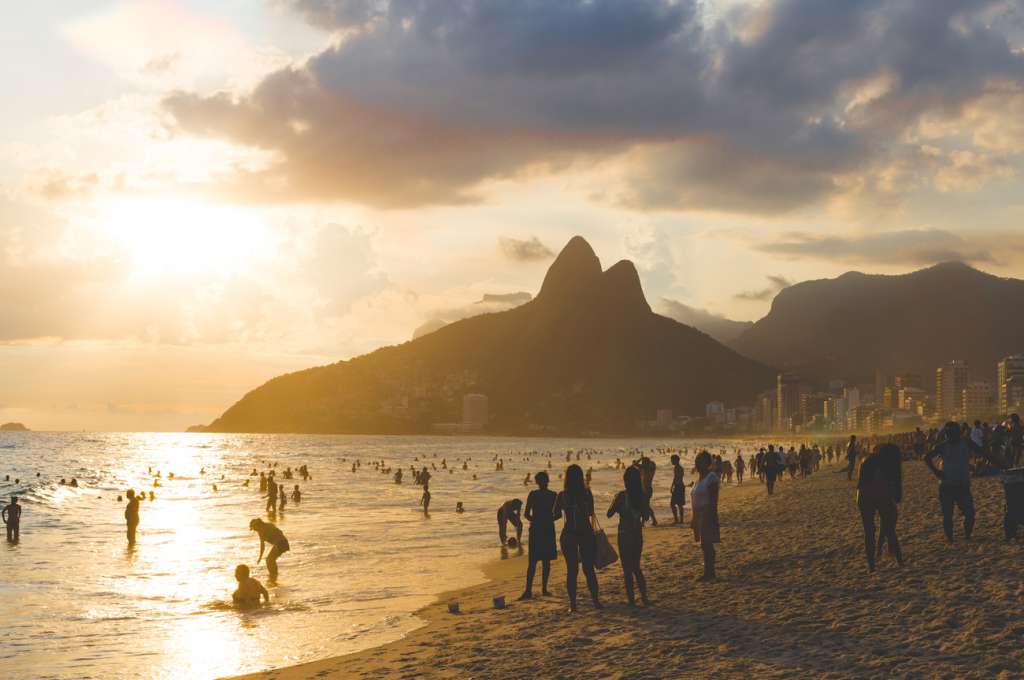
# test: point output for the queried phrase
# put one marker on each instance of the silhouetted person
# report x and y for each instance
(540, 513)
(508, 513)
(955, 477)
(271, 495)
(269, 533)
(633, 510)
(425, 498)
(576, 504)
(851, 456)
(647, 469)
(678, 491)
(772, 466)
(131, 515)
(879, 489)
(11, 515)
(705, 513)
(249, 589)
(740, 467)
(296, 495)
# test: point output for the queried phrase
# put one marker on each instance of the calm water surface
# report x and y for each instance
(77, 602)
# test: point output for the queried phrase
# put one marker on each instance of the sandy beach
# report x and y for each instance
(793, 599)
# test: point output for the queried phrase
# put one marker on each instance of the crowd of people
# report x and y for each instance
(954, 454)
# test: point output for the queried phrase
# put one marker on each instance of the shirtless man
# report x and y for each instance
(12, 518)
(269, 533)
(508, 513)
(249, 589)
(678, 491)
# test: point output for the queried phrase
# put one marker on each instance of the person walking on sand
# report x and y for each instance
(851, 456)
(131, 515)
(576, 504)
(740, 467)
(771, 467)
(955, 476)
(705, 513)
(11, 515)
(540, 513)
(508, 513)
(677, 492)
(879, 489)
(269, 533)
(633, 509)
(249, 589)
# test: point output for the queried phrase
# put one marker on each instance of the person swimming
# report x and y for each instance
(269, 533)
(459, 508)
(249, 589)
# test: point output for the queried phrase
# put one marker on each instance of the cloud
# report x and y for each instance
(909, 246)
(765, 294)
(489, 303)
(760, 110)
(528, 250)
(717, 326)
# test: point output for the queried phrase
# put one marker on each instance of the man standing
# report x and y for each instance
(12, 518)
(851, 457)
(131, 515)
(955, 477)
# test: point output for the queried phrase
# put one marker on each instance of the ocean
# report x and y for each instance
(79, 603)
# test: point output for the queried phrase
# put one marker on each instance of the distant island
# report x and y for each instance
(585, 356)
(13, 427)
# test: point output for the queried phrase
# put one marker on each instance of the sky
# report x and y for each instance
(198, 196)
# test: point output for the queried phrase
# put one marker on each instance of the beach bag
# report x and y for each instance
(604, 553)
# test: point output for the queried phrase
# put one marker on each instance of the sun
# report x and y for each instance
(172, 237)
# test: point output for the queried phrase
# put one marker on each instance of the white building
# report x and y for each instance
(475, 411)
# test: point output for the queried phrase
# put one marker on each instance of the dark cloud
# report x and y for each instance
(524, 250)
(777, 283)
(911, 246)
(770, 108)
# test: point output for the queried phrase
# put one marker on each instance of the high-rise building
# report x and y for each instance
(715, 412)
(1008, 368)
(475, 410)
(977, 400)
(950, 381)
(908, 380)
(787, 401)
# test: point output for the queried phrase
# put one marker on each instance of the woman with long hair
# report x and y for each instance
(576, 504)
(879, 489)
(633, 510)
(705, 512)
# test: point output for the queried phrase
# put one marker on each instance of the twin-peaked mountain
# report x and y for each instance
(850, 326)
(587, 354)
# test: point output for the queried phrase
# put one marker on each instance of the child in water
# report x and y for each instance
(249, 589)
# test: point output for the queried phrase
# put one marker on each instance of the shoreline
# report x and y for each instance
(793, 599)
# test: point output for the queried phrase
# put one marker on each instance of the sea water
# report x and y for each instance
(77, 602)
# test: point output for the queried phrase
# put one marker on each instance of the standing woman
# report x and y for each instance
(633, 509)
(131, 515)
(705, 513)
(879, 489)
(576, 504)
(540, 513)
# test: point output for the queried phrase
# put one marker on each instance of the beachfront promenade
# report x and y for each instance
(793, 600)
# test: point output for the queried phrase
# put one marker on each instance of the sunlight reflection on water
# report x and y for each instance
(363, 557)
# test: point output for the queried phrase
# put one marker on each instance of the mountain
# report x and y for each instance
(13, 427)
(722, 329)
(848, 326)
(587, 354)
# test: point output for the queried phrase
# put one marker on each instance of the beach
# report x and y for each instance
(794, 599)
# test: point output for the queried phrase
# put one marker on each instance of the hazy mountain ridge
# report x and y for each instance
(587, 354)
(848, 326)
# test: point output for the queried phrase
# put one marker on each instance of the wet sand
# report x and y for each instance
(793, 599)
